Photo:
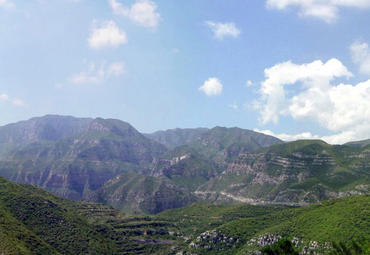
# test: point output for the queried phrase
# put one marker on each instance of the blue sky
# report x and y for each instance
(294, 69)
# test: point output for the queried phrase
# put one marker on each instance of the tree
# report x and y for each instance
(283, 247)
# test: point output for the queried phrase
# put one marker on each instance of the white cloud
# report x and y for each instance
(234, 106)
(343, 109)
(222, 30)
(18, 102)
(4, 97)
(326, 10)
(96, 75)
(106, 34)
(314, 76)
(212, 87)
(249, 83)
(6, 4)
(14, 101)
(361, 55)
(116, 69)
(289, 137)
(142, 12)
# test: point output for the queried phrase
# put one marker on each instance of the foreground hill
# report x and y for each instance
(246, 229)
(35, 222)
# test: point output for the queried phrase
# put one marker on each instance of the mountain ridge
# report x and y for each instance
(100, 160)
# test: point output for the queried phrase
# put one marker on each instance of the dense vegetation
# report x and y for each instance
(35, 222)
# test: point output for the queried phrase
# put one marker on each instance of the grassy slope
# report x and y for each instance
(336, 220)
(35, 222)
(325, 168)
(333, 220)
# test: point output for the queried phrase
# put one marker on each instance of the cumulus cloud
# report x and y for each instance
(306, 92)
(222, 30)
(106, 34)
(98, 74)
(6, 4)
(326, 10)
(212, 87)
(361, 55)
(14, 101)
(142, 12)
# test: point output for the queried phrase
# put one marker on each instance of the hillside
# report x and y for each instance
(137, 193)
(246, 229)
(296, 173)
(363, 143)
(36, 222)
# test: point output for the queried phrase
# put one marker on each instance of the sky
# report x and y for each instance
(295, 69)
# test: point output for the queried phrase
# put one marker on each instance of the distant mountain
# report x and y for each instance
(40, 129)
(224, 144)
(136, 193)
(218, 143)
(109, 161)
(76, 163)
(296, 173)
(185, 167)
(362, 143)
(173, 138)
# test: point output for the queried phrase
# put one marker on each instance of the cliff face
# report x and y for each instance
(77, 164)
(296, 173)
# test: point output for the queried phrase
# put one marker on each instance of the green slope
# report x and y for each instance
(295, 173)
(215, 229)
(136, 193)
(35, 222)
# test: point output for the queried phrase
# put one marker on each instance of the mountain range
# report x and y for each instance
(109, 161)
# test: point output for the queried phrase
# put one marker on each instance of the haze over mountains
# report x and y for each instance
(109, 161)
